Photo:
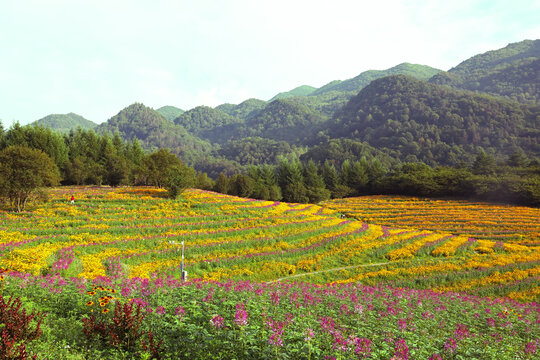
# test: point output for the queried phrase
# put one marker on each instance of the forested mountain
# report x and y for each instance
(244, 110)
(512, 72)
(413, 120)
(336, 151)
(65, 122)
(357, 83)
(303, 90)
(154, 131)
(200, 120)
(256, 150)
(283, 119)
(390, 118)
(170, 112)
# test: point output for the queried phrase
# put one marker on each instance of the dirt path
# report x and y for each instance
(327, 270)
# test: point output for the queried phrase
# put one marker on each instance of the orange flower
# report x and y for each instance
(90, 303)
(91, 292)
(105, 311)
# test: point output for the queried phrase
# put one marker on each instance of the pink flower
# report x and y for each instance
(450, 345)
(217, 321)
(160, 310)
(309, 334)
(401, 350)
(363, 347)
(180, 311)
(240, 317)
(530, 348)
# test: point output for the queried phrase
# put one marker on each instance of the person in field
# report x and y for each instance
(72, 199)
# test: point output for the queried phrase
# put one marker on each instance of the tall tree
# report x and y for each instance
(316, 190)
(24, 170)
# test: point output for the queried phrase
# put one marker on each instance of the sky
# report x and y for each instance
(95, 57)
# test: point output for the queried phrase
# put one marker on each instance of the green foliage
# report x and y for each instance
(155, 167)
(222, 184)
(38, 137)
(240, 185)
(23, 171)
(178, 177)
(202, 119)
(256, 150)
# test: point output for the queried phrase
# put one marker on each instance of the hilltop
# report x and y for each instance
(65, 122)
(511, 72)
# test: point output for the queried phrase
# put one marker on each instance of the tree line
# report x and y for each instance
(32, 157)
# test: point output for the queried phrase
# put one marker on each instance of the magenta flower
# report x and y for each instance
(309, 334)
(530, 348)
(160, 310)
(450, 345)
(240, 317)
(217, 321)
(435, 357)
(275, 340)
(401, 350)
(461, 331)
(363, 347)
(180, 311)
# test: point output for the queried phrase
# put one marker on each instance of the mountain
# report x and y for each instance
(244, 110)
(414, 120)
(282, 120)
(65, 122)
(170, 112)
(357, 83)
(200, 121)
(512, 72)
(303, 90)
(155, 131)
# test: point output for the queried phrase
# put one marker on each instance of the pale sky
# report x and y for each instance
(95, 57)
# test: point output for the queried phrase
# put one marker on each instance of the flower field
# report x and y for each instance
(267, 280)
(507, 223)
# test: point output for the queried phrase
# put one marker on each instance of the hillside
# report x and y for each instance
(413, 120)
(200, 120)
(357, 83)
(170, 112)
(303, 90)
(154, 131)
(512, 72)
(65, 122)
(245, 110)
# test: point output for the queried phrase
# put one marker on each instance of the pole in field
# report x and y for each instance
(184, 273)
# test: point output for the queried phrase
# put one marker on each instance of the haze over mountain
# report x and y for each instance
(65, 122)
